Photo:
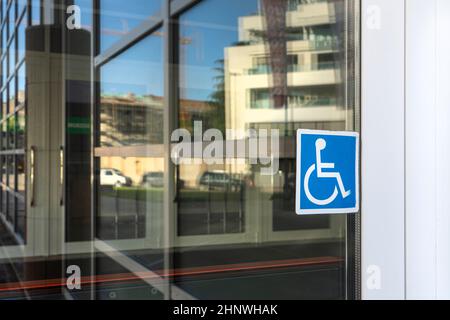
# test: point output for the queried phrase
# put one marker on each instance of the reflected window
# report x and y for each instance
(21, 39)
(130, 153)
(13, 122)
(247, 68)
(106, 198)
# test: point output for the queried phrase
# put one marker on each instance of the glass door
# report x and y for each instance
(152, 148)
(13, 122)
(249, 75)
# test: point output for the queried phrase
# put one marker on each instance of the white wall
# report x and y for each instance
(443, 151)
(406, 148)
(382, 136)
(427, 149)
(421, 179)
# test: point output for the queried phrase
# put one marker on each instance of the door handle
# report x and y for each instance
(33, 175)
(61, 174)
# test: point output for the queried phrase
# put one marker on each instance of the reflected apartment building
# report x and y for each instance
(87, 175)
(125, 120)
(313, 64)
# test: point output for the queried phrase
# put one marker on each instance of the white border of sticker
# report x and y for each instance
(299, 211)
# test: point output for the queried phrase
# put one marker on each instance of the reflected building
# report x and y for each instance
(136, 121)
(125, 120)
(314, 74)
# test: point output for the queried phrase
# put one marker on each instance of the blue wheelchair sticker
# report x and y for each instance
(327, 172)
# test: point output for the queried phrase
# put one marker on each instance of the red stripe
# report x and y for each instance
(54, 283)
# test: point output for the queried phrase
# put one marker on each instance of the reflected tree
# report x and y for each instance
(217, 98)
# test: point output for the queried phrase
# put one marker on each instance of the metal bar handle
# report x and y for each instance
(61, 174)
(33, 175)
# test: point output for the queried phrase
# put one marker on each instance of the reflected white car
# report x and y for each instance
(113, 177)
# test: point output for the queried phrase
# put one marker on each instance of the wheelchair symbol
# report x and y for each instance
(319, 166)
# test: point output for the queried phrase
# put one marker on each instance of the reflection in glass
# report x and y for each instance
(20, 172)
(118, 18)
(36, 12)
(12, 125)
(11, 187)
(11, 208)
(259, 65)
(132, 111)
(131, 124)
(21, 39)
(129, 153)
(11, 129)
(20, 128)
(130, 197)
(4, 172)
(86, 17)
(204, 230)
(21, 81)
(21, 218)
(4, 104)
(3, 12)
(12, 96)
(4, 136)
(4, 70)
(21, 4)
(11, 18)
(12, 56)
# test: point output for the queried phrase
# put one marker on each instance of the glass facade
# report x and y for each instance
(13, 126)
(152, 146)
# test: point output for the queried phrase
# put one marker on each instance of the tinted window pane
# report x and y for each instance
(35, 12)
(127, 201)
(21, 80)
(104, 198)
(21, 218)
(4, 135)
(20, 129)
(4, 104)
(4, 40)
(251, 69)
(86, 16)
(20, 171)
(11, 208)
(21, 39)
(11, 127)
(11, 176)
(12, 57)
(21, 5)
(12, 95)
(4, 173)
(11, 18)
(4, 70)
(4, 3)
(119, 17)
(132, 109)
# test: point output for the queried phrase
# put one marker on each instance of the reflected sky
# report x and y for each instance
(205, 34)
(137, 71)
(119, 17)
(86, 13)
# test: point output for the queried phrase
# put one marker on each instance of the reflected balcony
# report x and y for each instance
(266, 69)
